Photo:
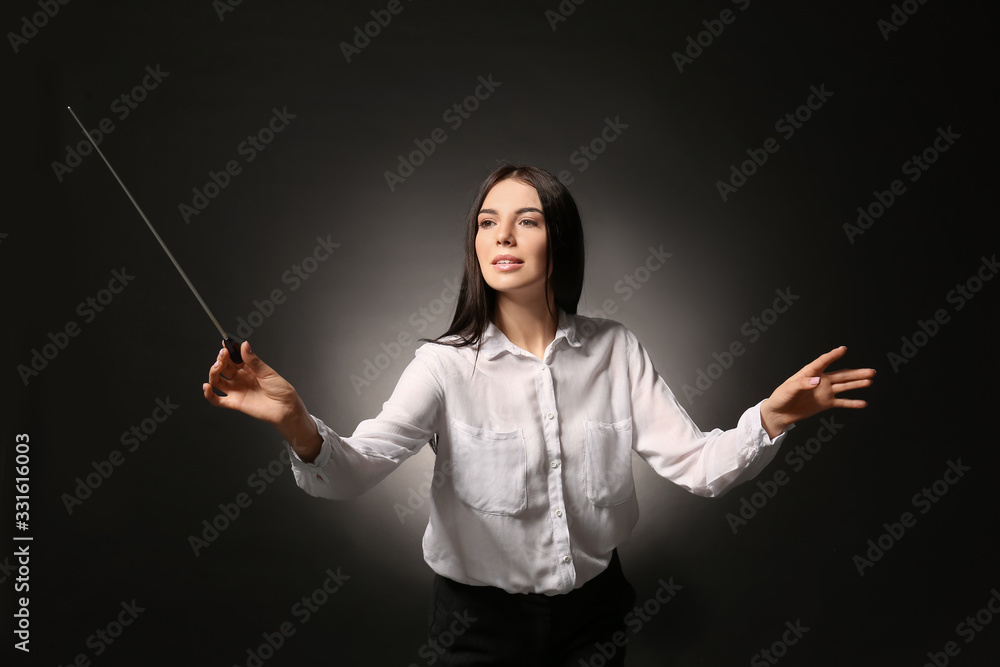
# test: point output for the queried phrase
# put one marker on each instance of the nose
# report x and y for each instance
(504, 236)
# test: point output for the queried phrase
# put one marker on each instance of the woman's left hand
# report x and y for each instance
(811, 391)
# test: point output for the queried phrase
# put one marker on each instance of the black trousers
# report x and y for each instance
(482, 625)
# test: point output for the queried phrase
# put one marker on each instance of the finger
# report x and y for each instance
(217, 400)
(226, 362)
(810, 382)
(210, 395)
(849, 403)
(228, 368)
(229, 371)
(215, 377)
(848, 374)
(847, 386)
(819, 364)
(254, 362)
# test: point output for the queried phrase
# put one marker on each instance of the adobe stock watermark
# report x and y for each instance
(121, 108)
(363, 35)
(131, 439)
(88, 309)
(249, 148)
(587, 153)
(23, 602)
(294, 276)
(416, 497)
(454, 116)
(714, 28)
(436, 646)
(915, 167)
(104, 637)
(373, 367)
(898, 17)
(779, 648)
(752, 329)
(30, 25)
(229, 512)
(629, 284)
(302, 611)
(787, 125)
(967, 629)
(959, 296)
(924, 500)
(635, 621)
(7, 569)
(563, 11)
(753, 502)
(223, 7)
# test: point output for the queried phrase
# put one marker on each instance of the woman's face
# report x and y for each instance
(511, 241)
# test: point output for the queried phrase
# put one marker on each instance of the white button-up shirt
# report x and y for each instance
(535, 454)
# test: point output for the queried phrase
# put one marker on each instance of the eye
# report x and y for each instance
(485, 223)
(530, 222)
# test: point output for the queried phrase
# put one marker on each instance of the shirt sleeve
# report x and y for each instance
(348, 466)
(665, 436)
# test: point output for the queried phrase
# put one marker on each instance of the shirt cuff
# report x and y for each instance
(322, 458)
(759, 434)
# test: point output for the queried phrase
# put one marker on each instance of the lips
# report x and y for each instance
(507, 263)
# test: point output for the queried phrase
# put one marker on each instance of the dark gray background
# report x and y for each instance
(655, 185)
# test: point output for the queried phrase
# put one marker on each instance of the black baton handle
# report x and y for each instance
(233, 345)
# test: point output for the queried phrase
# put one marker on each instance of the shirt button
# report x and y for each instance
(559, 513)
(550, 415)
(554, 464)
(565, 559)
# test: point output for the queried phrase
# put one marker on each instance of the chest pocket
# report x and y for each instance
(489, 469)
(609, 462)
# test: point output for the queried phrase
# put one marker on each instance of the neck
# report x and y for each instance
(527, 324)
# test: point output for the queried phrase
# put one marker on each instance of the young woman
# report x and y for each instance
(535, 412)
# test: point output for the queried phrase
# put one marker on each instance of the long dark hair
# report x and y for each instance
(564, 233)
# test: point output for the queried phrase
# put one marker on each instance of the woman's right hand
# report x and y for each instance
(255, 389)
(252, 387)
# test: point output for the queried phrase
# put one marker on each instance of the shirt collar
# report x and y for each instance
(494, 342)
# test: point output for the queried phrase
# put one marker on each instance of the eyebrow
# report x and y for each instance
(519, 211)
